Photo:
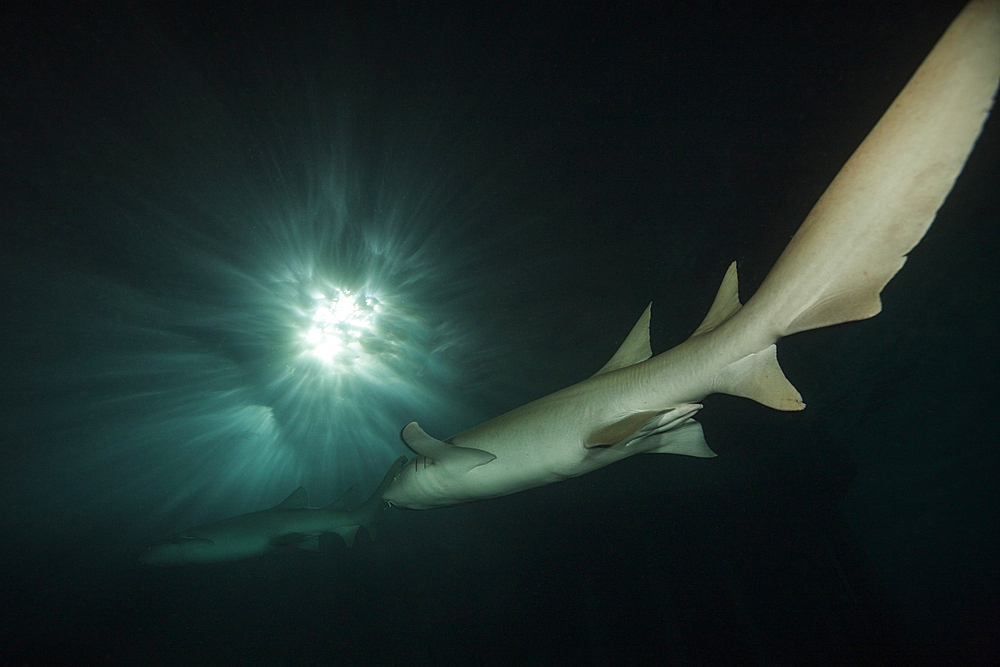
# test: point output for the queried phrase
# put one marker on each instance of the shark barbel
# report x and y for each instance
(851, 244)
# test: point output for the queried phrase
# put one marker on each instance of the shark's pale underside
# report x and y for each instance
(290, 523)
(851, 244)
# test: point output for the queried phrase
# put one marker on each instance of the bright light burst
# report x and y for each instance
(296, 363)
(343, 327)
(287, 350)
(285, 283)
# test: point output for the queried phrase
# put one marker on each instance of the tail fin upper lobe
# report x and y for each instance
(886, 196)
(875, 211)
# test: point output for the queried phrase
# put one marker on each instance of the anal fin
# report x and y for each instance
(759, 377)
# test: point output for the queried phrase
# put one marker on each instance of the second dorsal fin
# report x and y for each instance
(635, 349)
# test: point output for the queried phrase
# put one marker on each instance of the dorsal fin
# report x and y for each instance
(438, 452)
(726, 304)
(348, 533)
(296, 501)
(340, 504)
(635, 349)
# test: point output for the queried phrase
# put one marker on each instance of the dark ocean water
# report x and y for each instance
(497, 194)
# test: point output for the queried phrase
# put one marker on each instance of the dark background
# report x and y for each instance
(556, 168)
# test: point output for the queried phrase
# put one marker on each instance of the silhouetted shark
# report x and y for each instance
(290, 523)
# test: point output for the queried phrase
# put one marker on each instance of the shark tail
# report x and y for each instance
(371, 510)
(875, 211)
(886, 196)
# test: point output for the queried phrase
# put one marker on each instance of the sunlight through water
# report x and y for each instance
(256, 339)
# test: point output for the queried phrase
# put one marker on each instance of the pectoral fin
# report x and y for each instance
(686, 440)
(640, 425)
(438, 452)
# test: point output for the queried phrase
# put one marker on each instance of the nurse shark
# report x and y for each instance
(289, 523)
(851, 244)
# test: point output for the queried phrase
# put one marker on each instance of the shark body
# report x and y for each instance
(851, 244)
(290, 523)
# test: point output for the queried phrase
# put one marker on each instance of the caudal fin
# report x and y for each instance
(877, 209)
(886, 196)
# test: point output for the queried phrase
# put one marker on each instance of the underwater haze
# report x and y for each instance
(242, 246)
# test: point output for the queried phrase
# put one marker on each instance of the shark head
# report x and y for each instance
(420, 484)
(435, 477)
(180, 549)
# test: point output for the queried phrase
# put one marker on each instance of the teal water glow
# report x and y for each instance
(269, 327)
